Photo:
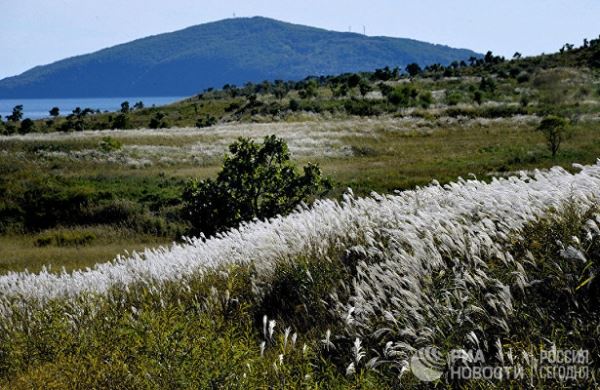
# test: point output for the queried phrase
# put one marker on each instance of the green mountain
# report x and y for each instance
(231, 51)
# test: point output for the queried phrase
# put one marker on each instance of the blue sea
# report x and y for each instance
(38, 108)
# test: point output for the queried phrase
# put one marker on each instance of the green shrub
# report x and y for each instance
(27, 126)
(121, 121)
(207, 121)
(404, 95)
(425, 99)
(112, 212)
(47, 203)
(109, 144)
(501, 111)
(158, 121)
(257, 181)
(453, 98)
(65, 238)
(361, 108)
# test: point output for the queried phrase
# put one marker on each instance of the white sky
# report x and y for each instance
(36, 32)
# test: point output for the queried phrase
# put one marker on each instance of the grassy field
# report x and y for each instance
(340, 294)
(331, 297)
(382, 155)
(23, 252)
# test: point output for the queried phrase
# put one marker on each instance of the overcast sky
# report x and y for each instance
(35, 32)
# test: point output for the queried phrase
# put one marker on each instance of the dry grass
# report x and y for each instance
(19, 252)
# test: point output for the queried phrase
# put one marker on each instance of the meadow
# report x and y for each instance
(135, 188)
(450, 224)
(340, 295)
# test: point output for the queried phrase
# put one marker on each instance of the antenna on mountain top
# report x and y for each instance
(364, 30)
(234, 14)
(349, 28)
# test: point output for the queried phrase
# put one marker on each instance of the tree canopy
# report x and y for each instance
(257, 181)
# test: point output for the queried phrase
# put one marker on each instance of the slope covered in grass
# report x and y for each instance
(339, 294)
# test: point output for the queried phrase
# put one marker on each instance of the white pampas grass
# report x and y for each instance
(423, 267)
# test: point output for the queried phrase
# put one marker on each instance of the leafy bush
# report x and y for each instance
(361, 108)
(27, 126)
(121, 121)
(65, 238)
(158, 121)
(294, 105)
(45, 203)
(402, 96)
(453, 98)
(425, 99)
(500, 111)
(522, 77)
(109, 144)
(207, 121)
(257, 181)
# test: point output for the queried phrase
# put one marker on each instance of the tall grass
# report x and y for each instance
(363, 283)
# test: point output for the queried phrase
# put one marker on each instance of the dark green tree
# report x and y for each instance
(280, 90)
(54, 112)
(340, 91)
(27, 126)
(311, 89)
(76, 120)
(478, 97)
(158, 121)
(487, 84)
(206, 121)
(554, 130)
(354, 80)
(17, 113)
(121, 121)
(139, 105)
(425, 99)
(413, 69)
(257, 181)
(364, 87)
(404, 95)
(125, 107)
(294, 105)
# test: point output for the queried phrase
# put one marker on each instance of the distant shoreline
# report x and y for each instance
(39, 108)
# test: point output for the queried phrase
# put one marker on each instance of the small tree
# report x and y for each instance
(425, 99)
(354, 80)
(125, 107)
(257, 181)
(364, 87)
(554, 129)
(27, 126)
(158, 121)
(139, 105)
(207, 121)
(340, 91)
(311, 90)
(280, 90)
(54, 112)
(404, 95)
(17, 113)
(478, 97)
(413, 69)
(121, 121)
